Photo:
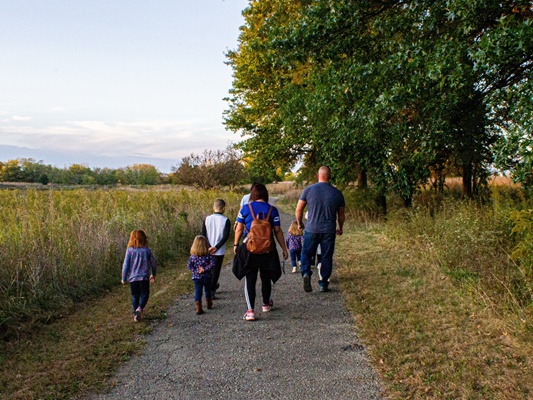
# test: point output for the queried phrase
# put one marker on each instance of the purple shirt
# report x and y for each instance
(206, 262)
(138, 263)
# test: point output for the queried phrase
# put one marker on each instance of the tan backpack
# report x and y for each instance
(259, 239)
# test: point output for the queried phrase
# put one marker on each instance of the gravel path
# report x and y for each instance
(305, 348)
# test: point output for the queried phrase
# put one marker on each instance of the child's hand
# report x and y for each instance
(152, 279)
(122, 282)
(200, 270)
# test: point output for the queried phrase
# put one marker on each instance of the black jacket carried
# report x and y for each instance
(245, 262)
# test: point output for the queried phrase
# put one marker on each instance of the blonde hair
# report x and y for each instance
(200, 246)
(138, 239)
(219, 205)
(294, 230)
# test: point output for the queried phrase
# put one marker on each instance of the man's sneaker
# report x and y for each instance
(139, 313)
(307, 283)
(293, 270)
(324, 289)
(249, 316)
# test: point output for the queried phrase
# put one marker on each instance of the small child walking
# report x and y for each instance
(139, 270)
(294, 243)
(200, 264)
(216, 228)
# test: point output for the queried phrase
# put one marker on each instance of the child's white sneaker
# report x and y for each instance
(293, 270)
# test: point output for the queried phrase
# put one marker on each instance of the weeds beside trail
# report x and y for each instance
(60, 247)
(78, 352)
(431, 336)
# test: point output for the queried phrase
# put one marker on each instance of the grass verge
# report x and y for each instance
(429, 336)
(80, 352)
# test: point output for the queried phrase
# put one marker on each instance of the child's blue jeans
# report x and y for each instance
(140, 291)
(295, 256)
(202, 283)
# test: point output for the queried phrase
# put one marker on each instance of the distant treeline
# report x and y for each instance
(31, 171)
(212, 169)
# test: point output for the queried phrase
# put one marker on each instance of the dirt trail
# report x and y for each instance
(305, 348)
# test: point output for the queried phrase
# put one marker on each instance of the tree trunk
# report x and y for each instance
(362, 180)
(467, 180)
(381, 202)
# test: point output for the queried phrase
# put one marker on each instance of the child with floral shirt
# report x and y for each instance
(294, 241)
(200, 264)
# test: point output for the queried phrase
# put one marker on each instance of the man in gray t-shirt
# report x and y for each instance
(326, 206)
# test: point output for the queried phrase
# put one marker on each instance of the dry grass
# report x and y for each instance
(80, 352)
(430, 337)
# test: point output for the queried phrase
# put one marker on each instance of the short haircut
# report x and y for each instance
(325, 171)
(259, 192)
(138, 239)
(219, 205)
(200, 246)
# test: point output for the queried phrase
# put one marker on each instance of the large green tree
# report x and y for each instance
(381, 90)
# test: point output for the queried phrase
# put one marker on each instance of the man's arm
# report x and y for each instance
(341, 217)
(299, 213)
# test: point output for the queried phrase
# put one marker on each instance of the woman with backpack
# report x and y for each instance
(258, 222)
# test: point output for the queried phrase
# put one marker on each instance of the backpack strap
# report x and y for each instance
(251, 210)
(255, 217)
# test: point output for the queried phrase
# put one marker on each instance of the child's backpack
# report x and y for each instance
(259, 239)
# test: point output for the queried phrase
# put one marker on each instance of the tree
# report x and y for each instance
(211, 169)
(385, 91)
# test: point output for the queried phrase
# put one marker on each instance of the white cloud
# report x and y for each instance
(20, 118)
(164, 139)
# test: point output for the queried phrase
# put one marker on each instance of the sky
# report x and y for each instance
(110, 83)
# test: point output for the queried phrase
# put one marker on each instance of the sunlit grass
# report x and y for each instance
(439, 304)
(62, 246)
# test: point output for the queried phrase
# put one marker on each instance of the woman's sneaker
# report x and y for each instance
(249, 316)
(268, 307)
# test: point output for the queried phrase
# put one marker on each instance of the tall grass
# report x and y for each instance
(472, 242)
(60, 247)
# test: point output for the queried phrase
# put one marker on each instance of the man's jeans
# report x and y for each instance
(327, 247)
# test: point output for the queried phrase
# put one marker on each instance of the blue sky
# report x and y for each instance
(115, 82)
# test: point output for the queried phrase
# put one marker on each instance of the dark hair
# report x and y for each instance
(259, 192)
(253, 184)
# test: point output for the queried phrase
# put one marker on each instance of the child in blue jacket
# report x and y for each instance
(139, 270)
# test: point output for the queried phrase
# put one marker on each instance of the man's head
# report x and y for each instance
(324, 174)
